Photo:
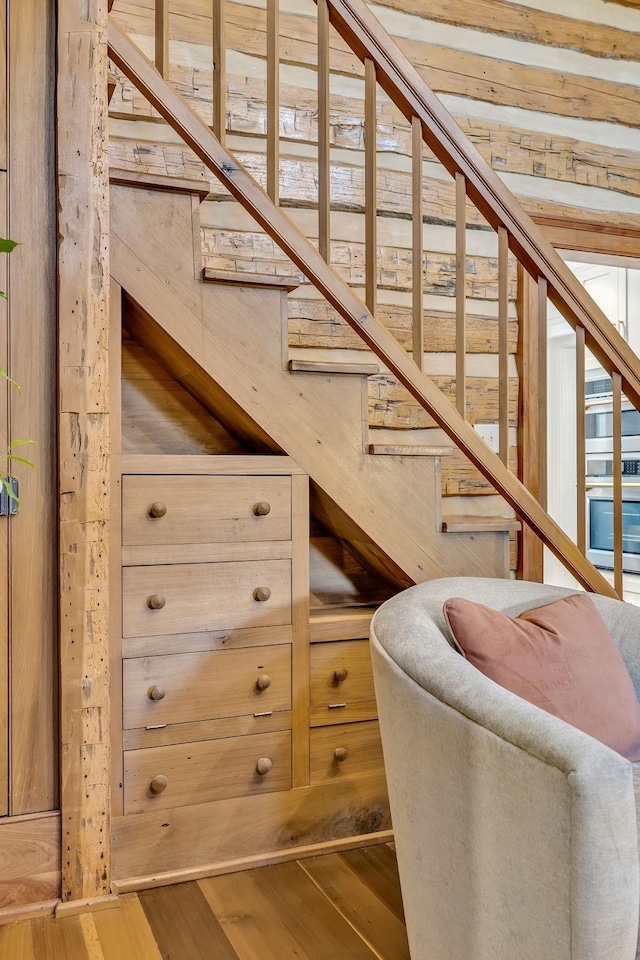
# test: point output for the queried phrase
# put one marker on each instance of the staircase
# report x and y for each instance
(226, 342)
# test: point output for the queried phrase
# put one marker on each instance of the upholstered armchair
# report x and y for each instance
(516, 833)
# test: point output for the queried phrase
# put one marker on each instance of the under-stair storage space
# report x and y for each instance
(341, 683)
(187, 773)
(346, 750)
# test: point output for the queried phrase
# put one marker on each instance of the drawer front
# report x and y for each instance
(187, 687)
(183, 509)
(345, 750)
(340, 673)
(188, 773)
(195, 597)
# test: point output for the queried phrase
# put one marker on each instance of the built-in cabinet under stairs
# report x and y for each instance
(227, 344)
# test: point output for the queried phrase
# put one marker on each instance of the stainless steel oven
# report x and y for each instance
(599, 470)
(600, 526)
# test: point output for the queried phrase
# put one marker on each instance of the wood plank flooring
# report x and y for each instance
(340, 906)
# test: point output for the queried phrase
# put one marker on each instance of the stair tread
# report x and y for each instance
(211, 275)
(331, 366)
(410, 450)
(152, 181)
(466, 524)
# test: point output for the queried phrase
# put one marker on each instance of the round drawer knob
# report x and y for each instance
(263, 766)
(340, 675)
(157, 693)
(157, 510)
(263, 682)
(262, 509)
(261, 594)
(341, 754)
(156, 601)
(158, 784)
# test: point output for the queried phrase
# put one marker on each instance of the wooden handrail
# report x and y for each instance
(405, 87)
(141, 72)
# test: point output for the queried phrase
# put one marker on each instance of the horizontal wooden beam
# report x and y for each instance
(198, 136)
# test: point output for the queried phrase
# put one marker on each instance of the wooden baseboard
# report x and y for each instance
(71, 908)
(251, 863)
(28, 911)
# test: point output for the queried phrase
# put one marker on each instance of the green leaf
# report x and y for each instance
(12, 456)
(21, 443)
(6, 246)
(9, 489)
(5, 375)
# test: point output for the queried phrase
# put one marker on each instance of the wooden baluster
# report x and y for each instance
(370, 186)
(542, 392)
(461, 307)
(581, 483)
(418, 243)
(219, 71)
(503, 344)
(532, 416)
(324, 153)
(162, 37)
(273, 99)
(617, 484)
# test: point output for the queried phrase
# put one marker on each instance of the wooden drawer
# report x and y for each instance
(205, 509)
(206, 686)
(188, 773)
(341, 676)
(345, 750)
(195, 597)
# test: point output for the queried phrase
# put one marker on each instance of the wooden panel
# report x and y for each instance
(223, 465)
(205, 509)
(5, 521)
(134, 556)
(205, 596)
(32, 307)
(206, 771)
(202, 686)
(162, 735)
(362, 744)
(228, 830)
(329, 662)
(115, 543)
(183, 925)
(29, 859)
(343, 712)
(279, 912)
(3, 89)
(16, 941)
(210, 640)
(83, 317)
(59, 939)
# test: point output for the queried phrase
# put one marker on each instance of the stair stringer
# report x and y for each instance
(234, 335)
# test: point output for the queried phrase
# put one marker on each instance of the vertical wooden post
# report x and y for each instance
(83, 323)
(618, 580)
(370, 186)
(530, 421)
(461, 300)
(219, 72)
(324, 149)
(417, 294)
(273, 99)
(4, 428)
(503, 343)
(162, 37)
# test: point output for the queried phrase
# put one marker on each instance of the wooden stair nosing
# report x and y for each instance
(151, 181)
(410, 450)
(335, 623)
(328, 366)
(211, 275)
(461, 524)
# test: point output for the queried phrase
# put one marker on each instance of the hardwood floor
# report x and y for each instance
(341, 906)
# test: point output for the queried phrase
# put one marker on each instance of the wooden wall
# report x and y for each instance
(551, 100)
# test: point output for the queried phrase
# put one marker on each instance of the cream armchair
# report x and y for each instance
(516, 833)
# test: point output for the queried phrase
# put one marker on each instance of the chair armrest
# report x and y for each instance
(527, 819)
